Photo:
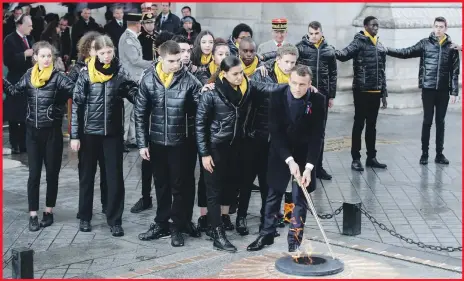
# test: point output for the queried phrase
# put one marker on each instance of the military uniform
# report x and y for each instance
(271, 45)
(148, 40)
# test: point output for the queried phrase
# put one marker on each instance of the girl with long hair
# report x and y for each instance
(202, 53)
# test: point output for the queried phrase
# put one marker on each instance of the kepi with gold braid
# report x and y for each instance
(279, 24)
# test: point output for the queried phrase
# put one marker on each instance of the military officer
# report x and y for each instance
(279, 33)
(148, 36)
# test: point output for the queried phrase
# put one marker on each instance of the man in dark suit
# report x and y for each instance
(17, 56)
(296, 126)
(166, 20)
(9, 24)
(116, 27)
(65, 39)
(85, 24)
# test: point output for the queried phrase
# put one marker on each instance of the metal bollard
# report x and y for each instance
(22, 263)
(351, 219)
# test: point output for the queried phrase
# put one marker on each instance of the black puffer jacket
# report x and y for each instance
(44, 104)
(203, 74)
(368, 63)
(323, 64)
(258, 126)
(172, 109)
(233, 49)
(73, 73)
(439, 64)
(102, 104)
(219, 121)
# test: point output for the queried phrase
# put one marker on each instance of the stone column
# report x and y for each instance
(403, 25)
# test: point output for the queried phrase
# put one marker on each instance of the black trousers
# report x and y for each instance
(17, 134)
(321, 157)
(201, 192)
(43, 146)
(273, 202)
(225, 180)
(103, 183)
(433, 100)
(256, 153)
(170, 166)
(192, 164)
(147, 175)
(113, 149)
(366, 110)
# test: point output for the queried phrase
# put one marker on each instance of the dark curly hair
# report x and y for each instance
(85, 44)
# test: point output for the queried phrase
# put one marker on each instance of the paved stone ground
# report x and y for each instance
(419, 202)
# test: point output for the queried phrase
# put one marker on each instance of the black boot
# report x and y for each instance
(357, 166)
(220, 241)
(176, 238)
(47, 219)
(373, 163)
(34, 223)
(241, 224)
(424, 160)
(85, 226)
(260, 242)
(227, 222)
(156, 231)
(117, 230)
(441, 159)
(142, 205)
(191, 230)
(203, 223)
(322, 174)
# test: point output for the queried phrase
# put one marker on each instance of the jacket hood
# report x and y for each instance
(434, 38)
(305, 40)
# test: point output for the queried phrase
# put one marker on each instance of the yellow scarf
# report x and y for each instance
(166, 78)
(95, 75)
(236, 44)
(373, 38)
(319, 42)
(282, 78)
(205, 59)
(212, 67)
(249, 70)
(40, 77)
(443, 40)
(87, 60)
(243, 86)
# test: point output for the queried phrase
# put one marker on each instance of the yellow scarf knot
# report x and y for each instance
(442, 40)
(166, 78)
(319, 42)
(95, 75)
(212, 67)
(40, 77)
(205, 59)
(249, 70)
(243, 86)
(282, 78)
(373, 38)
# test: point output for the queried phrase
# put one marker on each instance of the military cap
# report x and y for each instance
(279, 24)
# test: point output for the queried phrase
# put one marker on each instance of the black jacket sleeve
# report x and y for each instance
(79, 99)
(17, 89)
(202, 75)
(349, 52)
(455, 63)
(277, 129)
(65, 87)
(406, 53)
(269, 55)
(142, 108)
(317, 134)
(202, 123)
(332, 77)
(73, 73)
(128, 88)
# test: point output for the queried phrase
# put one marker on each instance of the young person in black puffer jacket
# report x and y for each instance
(47, 90)
(100, 89)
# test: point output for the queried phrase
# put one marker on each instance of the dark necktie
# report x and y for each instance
(25, 42)
(120, 23)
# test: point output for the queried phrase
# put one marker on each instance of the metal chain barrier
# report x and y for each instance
(329, 216)
(408, 240)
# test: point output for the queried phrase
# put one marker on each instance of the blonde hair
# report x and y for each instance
(103, 41)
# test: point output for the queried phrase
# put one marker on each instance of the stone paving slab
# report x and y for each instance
(419, 202)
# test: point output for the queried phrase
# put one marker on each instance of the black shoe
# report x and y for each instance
(441, 159)
(176, 239)
(78, 216)
(357, 166)
(241, 225)
(292, 247)
(34, 223)
(85, 226)
(373, 163)
(227, 222)
(142, 205)
(156, 231)
(126, 149)
(276, 233)
(47, 219)
(117, 230)
(15, 150)
(424, 160)
(323, 175)
(203, 223)
(191, 230)
(221, 242)
(104, 209)
(260, 242)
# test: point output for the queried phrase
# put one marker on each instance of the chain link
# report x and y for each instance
(329, 216)
(408, 240)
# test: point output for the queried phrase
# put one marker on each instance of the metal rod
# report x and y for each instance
(313, 209)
